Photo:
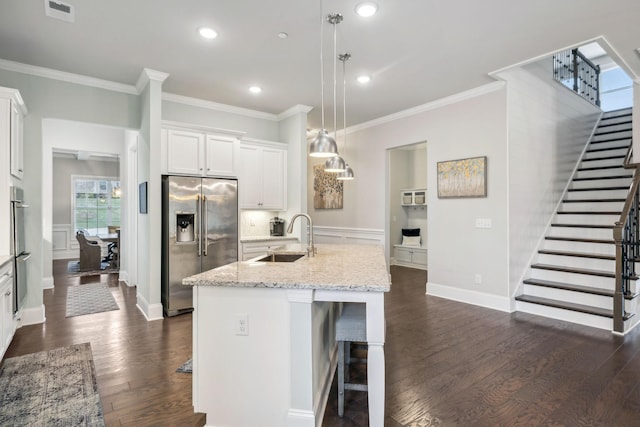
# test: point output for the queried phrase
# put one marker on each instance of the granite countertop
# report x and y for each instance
(335, 267)
(250, 239)
(4, 259)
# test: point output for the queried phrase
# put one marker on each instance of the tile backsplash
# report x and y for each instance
(255, 223)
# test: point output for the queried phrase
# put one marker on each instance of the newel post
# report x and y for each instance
(618, 297)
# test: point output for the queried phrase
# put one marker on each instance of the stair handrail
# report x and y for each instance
(626, 234)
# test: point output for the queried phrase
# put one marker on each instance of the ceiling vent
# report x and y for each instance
(59, 10)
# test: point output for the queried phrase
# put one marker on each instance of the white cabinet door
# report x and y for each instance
(220, 156)
(17, 145)
(6, 309)
(419, 257)
(403, 255)
(250, 177)
(273, 172)
(183, 152)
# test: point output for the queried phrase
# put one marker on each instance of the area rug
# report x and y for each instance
(73, 269)
(50, 388)
(88, 299)
(187, 367)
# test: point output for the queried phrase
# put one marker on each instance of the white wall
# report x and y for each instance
(549, 127)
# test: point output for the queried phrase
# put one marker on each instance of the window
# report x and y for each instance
(96, 203)
(616, 89)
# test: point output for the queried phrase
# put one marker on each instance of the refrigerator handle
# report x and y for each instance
(205, 227)
(199, 233)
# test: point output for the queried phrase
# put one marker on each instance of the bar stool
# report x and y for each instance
(350, 327)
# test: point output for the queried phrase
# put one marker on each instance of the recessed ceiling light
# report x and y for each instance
(366, 9)
(207, 33)
(283, 35)
(364, 79)
(255, 89)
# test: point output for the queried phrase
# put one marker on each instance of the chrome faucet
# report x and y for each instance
(311, 249)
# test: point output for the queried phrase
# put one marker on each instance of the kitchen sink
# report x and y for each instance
(281, 258)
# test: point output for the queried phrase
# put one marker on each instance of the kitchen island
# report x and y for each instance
(264, 349)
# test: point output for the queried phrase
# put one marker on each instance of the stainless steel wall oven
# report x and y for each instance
(18, 247)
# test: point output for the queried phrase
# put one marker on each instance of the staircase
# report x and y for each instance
(573, 277)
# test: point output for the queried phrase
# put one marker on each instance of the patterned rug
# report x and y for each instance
(88, 299)
(73, 269)
(50, 388)
(187, 367)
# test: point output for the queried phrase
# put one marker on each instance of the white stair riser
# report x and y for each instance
(578, 262)
(620, 151)
(610, 144)
(602, 172)
(616, 116)
(601, 163)
(599, 282)
(585, 233)
(586, 219)
(612, 126)
(587, 247)
(592, 207)
(566, 315)
(591, 300)
(597, 194)
(599, 183)
(606, 136)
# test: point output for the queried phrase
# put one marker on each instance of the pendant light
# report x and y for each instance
(347, 174)
(322, 145)
(335, 164)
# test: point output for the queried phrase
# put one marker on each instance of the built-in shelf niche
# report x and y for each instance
(414, 197)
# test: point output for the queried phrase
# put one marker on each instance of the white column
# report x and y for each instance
(375, 359)
(300, 412)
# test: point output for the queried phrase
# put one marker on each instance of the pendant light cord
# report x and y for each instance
(344, 57)
(335, 108)
(322, 61)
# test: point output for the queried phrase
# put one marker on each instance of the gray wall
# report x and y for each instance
(63, 169)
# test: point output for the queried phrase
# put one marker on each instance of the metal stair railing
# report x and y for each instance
(626, 234)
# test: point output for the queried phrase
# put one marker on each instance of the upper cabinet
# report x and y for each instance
(11, 134)
(262, 175)
(413, 197)
(199, 153)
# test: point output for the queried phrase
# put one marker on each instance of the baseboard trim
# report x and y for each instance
(32, 316)
(300, 418)
(47, 282)
(150, 311)
(469, 297)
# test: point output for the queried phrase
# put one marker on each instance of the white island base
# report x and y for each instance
(280, 372)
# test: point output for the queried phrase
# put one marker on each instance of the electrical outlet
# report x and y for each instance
(478, 278)
(242, 324)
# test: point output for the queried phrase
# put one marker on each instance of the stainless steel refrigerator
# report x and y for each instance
(199, 232)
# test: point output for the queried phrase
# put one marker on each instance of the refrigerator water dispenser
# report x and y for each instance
(184, 227)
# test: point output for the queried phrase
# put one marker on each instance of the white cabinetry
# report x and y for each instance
(416, 197)
(7, 324)
(17, 144)
(409, 256)
(262, 175)
(199, 153)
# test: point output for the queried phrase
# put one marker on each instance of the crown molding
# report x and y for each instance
(442, 102)
(196, 102)
(148, 75)
(66, 77)
(296, 109)
(13, 94)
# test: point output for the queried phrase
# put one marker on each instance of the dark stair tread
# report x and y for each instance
(600, 150)
(610, 132)
(603, 158)
(577, 254)
(600, 188)
(604, 125)
(589, 212)
(557, 224)
(564, 269)
(581, 308)
(592, 200)
(581, 239)
(575, 288)
(596, 178)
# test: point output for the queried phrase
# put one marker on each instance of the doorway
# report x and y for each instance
(408, 205)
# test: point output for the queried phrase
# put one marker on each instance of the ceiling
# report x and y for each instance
(415, 50)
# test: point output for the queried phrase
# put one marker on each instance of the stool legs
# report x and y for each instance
(341, 368)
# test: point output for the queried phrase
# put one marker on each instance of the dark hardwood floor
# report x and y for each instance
(135, 360)
(448, 363)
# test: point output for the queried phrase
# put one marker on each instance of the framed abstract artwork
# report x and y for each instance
(328, 190)
(462, 178)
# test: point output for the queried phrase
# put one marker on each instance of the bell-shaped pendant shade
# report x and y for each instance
(347, 175)
(335, 164)
(323, 145)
